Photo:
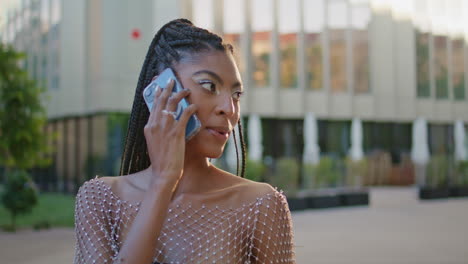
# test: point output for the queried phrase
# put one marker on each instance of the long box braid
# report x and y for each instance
(171, 44)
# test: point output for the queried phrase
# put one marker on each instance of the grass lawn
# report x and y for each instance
(53, 209)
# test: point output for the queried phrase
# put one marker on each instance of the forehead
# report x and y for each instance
(220, 62)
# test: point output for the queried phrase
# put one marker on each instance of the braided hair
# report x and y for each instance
(172, 43)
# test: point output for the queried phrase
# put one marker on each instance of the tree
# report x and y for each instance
(20, 195)
(23, 141)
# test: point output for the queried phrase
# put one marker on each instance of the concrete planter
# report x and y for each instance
(296, 203)
(459, 191)
(428, 193)
(328, 198)
(355, 198)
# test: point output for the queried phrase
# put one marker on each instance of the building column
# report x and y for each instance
(275, 67)
(246, 47)
(301, 57)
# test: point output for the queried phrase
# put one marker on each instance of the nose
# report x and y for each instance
(226, 105)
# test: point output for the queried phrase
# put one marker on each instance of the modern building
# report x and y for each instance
(384, 62)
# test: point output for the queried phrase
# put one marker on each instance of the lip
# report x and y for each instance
(221, 133)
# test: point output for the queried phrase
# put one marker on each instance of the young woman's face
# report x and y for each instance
(216, 88)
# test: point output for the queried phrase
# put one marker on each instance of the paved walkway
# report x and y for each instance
(397, 228)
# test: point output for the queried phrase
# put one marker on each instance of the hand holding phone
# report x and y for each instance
(193, 125)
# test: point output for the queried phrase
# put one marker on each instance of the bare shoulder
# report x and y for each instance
(249, 190)
(106, 185)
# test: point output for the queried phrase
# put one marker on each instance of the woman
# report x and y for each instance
(173, 205)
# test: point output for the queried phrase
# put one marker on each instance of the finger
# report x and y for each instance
(174, 100)
(157, 94)
(162, 100)
(186, 114)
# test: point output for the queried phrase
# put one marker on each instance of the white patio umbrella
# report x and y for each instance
(420, 148)
(356, 153)
(311, 148)
(460, 141)
(255, 138)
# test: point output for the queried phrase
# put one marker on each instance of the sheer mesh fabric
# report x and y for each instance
(257, 232)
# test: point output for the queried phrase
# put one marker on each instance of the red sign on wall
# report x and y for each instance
(136, 34)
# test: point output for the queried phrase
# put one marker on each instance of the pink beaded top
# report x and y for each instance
(259, 231)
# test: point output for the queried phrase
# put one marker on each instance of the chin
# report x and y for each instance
(214, 153)
(207, 149)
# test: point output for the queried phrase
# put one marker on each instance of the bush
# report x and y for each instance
(308, 171)
(355, 172)
(254, 170)
(437, 171)
(462, 173)
(327, 173)
(20, 195)
(286, 175)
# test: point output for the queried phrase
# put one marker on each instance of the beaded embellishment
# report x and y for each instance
(256, 232)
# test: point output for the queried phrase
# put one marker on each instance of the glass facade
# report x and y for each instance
(262, 26)
(337, 27)
(423, 87)
(394, 138)
(84, 147)
(334, 137)
(314, 23)
(441, 141)
(360, 19)
(440, 67)
(458, 66)
(288, 29)
(286, 141)
(233, 23)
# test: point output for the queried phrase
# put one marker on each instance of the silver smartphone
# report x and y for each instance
(193, 125)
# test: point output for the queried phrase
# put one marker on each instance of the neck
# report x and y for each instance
(196, 176)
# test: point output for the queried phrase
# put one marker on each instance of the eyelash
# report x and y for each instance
(202, 83)
(236, 95)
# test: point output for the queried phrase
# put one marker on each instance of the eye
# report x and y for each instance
(237, 95)
(209, 85)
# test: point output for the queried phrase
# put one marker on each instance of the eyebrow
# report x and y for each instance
(216, 76)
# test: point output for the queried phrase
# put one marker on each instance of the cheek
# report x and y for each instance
(235, 117)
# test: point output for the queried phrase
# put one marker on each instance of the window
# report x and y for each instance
(440, 67)
(360, 18)
(44, 70)
(394, 138)
(441, 140)
(458, 69)
(233, 27)
(262, 25)
(288, 28)
(45, 15)
(422, 64)
(337, 25)
(56, 12)
(334, 137)
(314, 21)
(287, 142)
